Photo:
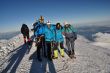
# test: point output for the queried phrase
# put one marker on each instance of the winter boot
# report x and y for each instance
(73, 54)
(70, 54)
(55, 54)
(62, 52)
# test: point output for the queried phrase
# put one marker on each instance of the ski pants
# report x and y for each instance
(56, 45)
(26, 36)
(48, 46)
(70, 44)
(41, 47)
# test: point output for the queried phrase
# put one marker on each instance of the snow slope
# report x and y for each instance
(89, 59)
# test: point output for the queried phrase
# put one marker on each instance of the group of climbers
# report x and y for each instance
(50, 40)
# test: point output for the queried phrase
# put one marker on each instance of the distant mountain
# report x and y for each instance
(8, 35)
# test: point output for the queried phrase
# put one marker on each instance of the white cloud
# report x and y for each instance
(102, 37)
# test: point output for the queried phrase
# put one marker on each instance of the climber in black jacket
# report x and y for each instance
(25, 32)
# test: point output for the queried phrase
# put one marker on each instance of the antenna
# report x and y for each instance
(35, 18)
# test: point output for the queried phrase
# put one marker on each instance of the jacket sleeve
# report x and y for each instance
(63, 31)
(75, 32)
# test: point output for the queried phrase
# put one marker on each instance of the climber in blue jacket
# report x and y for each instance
(49, 38)
(59, 40)
(39, 33)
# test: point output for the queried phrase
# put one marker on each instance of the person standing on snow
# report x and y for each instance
(39, 33)
(25, 32)
(70, 36)
(49, 37)
(59, 40)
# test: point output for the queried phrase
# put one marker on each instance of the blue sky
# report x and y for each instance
(13, 13)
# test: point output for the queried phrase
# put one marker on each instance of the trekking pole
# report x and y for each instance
(52, 49)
